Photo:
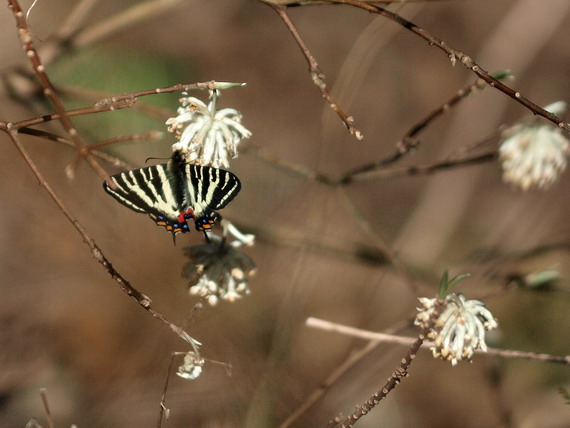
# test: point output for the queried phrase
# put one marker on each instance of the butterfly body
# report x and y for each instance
(176, 192)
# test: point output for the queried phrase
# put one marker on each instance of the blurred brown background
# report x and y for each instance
(66, 326)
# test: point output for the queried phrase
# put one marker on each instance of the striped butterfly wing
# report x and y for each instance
(151, 191)
(208, 190)
(173, 193)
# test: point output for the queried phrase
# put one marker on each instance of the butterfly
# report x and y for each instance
(175, 192)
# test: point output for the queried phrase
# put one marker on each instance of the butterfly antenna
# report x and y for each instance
(174, 238)
(153, 158)
(207, 237)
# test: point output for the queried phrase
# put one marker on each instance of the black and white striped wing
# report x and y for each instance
(147, 190)
(209, 189)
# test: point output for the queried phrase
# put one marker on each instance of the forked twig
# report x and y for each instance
(97, 253)
(406, 341)
(316, 74)
(456, 55)
(409, 142)
(335, 375)
(49, 91)
(395, 378)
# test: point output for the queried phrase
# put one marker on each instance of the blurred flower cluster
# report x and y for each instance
(206, 136)
(217, 270)
(535, 153)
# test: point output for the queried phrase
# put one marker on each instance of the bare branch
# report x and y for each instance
(141, 299)
(43, 393)
(406, 341)
(316, 73)
(409, 142)
(455, 55)
(49, 91)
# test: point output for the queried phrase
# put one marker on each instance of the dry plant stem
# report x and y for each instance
(43, 393)
(163, 407)
(401, 340)
(316, 73)
(140, 298)
(49, 91)
(455, 55)
(113, 160)
(427, 168)
(397, 264)
(115, 102)
(148, 136)
(396, 377)
(319, 177)
(335, 375)
(62, 39)
(76, 112)
(409, 142)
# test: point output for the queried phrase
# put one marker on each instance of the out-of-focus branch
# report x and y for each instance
(406, 341)
(113, 160)
(456, 55)
(409, 141)
(48, 89)
(316, 73)
(143, 300)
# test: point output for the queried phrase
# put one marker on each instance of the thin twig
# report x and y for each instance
(335, 375)
(409, 142)
(395, 378)
(116, 102)
(163, 407)
(426, 168)
(143, 300)
(43, 393)
(401, 340)
(455, 55)
(49, 91)
(113, 160)
(152, 135)
(316, 73)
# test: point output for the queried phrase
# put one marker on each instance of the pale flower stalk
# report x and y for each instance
(456, 325)
(207, 136)
(534, 154)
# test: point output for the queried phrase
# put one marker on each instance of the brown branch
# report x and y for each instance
(316, 73)
(427, 168)
(395, 378)
(97, 108)
(455, 55)
(406, 341)
(143, 300)
(43, 393)
(335, 375)
(163, 407)
(147, 136)
(113, 160)
(49, 91)
(409, 142)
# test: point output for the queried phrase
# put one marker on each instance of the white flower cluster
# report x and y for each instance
(206, 136)
(534, 154)
(192, 366)
(456, 325)
(217, 270)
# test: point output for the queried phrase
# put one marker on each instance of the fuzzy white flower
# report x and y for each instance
(192, 367)
(456, 325)
(206, 136)
(217, 270)
(534, 154)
